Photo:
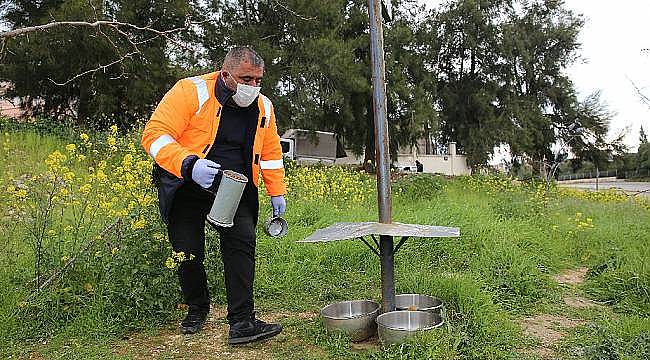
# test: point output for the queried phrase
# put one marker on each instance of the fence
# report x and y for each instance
(621, 174)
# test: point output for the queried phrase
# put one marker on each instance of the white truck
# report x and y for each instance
(310, 147)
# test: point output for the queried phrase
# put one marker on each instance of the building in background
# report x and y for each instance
(310, 147)
(433, 159)
(9, 107)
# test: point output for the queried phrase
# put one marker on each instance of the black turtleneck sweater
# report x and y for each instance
(233, 145)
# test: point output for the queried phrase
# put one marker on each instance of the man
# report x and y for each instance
(204, 124)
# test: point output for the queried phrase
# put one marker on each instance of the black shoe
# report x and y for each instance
(252, 330)
(193, 322)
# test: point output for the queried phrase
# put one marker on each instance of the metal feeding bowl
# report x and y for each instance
(276, 226)
(418, 302)
(356, 318)
(395, 327)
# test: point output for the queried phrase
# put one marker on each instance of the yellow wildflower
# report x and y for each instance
(69, 176)
(101, 177)
(85, 189)
(138, 224)
(89, 288)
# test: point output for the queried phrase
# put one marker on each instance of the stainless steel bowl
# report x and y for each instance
(418, 302)
(395, 327)
(356, 318)
(276, 226)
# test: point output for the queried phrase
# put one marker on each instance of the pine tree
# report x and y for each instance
(43, 67)
(318, 69)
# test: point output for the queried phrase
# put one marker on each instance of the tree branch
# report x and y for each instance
(72, 260)
(644, 98)
(118, 27)
(101, 67)
(287, 9)
(54, 24)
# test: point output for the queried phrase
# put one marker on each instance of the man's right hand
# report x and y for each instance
(204, 171)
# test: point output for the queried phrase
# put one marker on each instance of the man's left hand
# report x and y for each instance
(279, 205)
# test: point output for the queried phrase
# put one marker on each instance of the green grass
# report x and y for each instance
(498, 271)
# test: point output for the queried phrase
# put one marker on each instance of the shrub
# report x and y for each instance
(98, 246)
(419, 186)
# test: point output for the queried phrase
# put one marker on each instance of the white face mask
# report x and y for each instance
(246, 94)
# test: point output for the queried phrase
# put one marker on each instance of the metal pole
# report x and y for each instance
(382, 157)
(379, 110)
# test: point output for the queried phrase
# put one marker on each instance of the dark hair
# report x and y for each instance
(240, 54)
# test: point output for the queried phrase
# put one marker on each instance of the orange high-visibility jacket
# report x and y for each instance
(186, 122)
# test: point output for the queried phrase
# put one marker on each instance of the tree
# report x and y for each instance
(592, 145)
(109, 67)
(467, 86)
(643, 154)
(539, 42)
(481, 73)
(643, 157)
(501, 80)
(318, 65)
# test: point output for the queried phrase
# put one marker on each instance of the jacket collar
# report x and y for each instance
(222, 92)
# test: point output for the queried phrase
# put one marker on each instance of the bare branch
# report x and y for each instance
(127, 37)
(644, 98)
(101, 67)
(94, 9)
(117, 49)
(3, 44)
(118, 27)
(287, 9)
(71, 261)
(53, 24)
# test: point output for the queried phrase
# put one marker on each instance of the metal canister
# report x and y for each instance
(226, 200)
(276, 226)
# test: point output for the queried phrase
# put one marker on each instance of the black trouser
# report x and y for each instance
(237, 244)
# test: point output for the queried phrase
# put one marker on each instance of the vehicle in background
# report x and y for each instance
(311, 147)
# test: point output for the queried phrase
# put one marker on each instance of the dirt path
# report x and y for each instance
(210, 343)
(549, 329)
(571, 276)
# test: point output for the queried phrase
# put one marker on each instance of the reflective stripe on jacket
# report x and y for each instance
(186, 122)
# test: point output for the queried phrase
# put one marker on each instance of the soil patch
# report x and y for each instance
(279, 315)
(210, 343)
(579, 302)
(571, 276)
(370, 344)
(548, 329)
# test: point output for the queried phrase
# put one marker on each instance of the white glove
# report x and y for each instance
(204, 171)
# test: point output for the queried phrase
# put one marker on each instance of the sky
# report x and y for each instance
(614, 34)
